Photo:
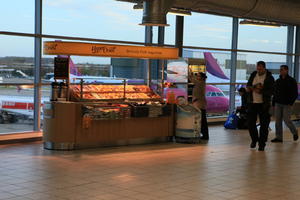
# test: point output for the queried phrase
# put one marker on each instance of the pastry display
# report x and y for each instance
(113, 92)
(141, 101)
(107, 111)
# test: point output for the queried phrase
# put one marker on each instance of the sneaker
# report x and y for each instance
(295, 137)
(276, 140)
(252, 145)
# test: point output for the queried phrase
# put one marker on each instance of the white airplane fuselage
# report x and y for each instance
(17, 105)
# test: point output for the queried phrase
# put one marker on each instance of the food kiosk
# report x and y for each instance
(96, 115)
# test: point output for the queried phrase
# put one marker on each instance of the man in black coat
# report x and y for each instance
(285, 94)
(260, 90)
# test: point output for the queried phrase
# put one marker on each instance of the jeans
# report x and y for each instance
(204, 125)
(261, 110)
(283, 113)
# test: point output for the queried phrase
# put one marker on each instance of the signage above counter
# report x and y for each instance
(108, 50)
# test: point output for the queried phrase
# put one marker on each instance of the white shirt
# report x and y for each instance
(258, 98)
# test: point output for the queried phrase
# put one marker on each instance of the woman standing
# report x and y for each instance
(199, 100)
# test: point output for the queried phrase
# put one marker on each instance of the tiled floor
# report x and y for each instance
(224, 168)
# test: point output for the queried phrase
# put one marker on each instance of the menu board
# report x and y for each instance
(61, 68)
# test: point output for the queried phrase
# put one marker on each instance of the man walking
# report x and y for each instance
(260, 89)
(285, 94)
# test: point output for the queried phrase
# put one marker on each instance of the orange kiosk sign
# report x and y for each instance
(108, 50)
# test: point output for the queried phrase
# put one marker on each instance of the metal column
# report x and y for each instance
(161, 36)
(37, 65)
(297, 51)
(161, 63)
(234, 44)
(179, 34)
(289, 48)
(148, 42)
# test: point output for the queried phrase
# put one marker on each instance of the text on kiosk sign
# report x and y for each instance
(107, 50)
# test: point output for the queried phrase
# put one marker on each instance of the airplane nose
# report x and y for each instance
(225, 105)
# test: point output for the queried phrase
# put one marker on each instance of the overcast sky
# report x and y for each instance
(109, 19)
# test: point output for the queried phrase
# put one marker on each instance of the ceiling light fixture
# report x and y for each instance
(180, 12)
(138, 6)
(260, 23)
(173, 11)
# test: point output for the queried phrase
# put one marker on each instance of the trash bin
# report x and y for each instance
(188, 124)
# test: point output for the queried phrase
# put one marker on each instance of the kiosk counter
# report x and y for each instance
(107, 115)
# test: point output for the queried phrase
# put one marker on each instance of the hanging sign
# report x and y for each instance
(108, 50)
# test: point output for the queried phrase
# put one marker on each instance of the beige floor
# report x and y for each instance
(225, 168)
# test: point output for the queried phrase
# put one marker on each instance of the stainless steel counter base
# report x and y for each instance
(59, 146)
(72, 146)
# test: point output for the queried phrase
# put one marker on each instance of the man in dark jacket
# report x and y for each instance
(260, 89)
(285, 94)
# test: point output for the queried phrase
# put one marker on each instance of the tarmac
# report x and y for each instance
(20, 92)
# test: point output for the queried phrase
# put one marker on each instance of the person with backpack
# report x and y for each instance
(260, 90)
(285, 95)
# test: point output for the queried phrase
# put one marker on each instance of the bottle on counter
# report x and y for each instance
(63, 90)
(54, 91)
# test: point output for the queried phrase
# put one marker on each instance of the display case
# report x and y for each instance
(94, 92)
(118, 101)
(106, 111)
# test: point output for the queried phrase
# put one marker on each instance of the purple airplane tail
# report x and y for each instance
(213, 67)
(73, 68)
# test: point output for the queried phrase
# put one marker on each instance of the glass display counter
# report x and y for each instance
(107, 115)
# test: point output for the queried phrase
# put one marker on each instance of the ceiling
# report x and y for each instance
(282, 11)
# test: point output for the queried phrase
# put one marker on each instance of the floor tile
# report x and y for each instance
(222, 168)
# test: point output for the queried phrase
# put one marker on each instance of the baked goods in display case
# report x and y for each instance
(107, 111)
(113, 92)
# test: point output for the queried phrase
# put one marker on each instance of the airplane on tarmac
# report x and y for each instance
(13, 108)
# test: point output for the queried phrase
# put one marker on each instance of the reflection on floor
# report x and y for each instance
(224, 168)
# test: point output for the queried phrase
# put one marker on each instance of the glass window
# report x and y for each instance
(170, 30)
(16, 108)
(17, 16)
(208, 94)
(259, 38)
(16, 59)
(246, 64)
(105, 19)
(85, 67)
(216, 61)
(220, 94)
(207, 31)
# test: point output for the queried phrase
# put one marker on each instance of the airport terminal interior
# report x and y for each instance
(97, 99)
